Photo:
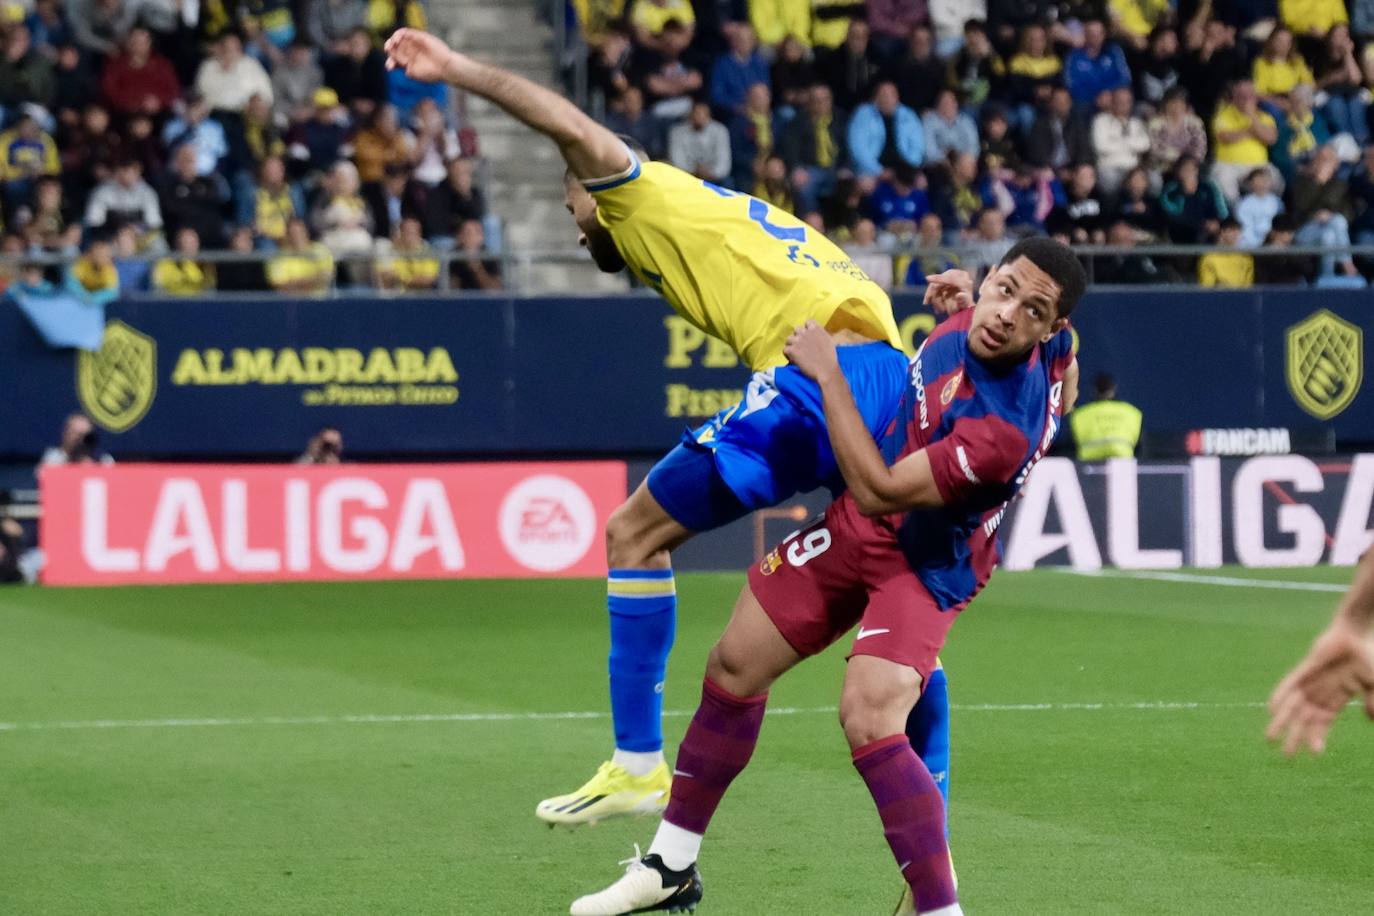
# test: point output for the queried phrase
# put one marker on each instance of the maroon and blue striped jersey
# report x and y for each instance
(984, 428)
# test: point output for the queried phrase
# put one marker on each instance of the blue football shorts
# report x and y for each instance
(773, 444)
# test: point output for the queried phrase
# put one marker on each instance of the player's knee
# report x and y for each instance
(732, 669)
(872, 710)
(626, 540)
(865, 724)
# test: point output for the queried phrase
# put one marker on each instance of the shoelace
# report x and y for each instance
(631, 863)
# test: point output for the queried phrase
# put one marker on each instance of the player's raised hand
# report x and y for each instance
(1338, 668)
(949, 292)
(812, 350)
(422, 56)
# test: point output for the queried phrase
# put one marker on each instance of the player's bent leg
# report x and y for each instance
(751, 654)
(749, 657)
(641, 597)
(641, 533)
(877, 698)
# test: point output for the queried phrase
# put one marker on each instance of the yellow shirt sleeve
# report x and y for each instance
(1246, 271)
(1303, 73)
(774, 20)
(165, 276)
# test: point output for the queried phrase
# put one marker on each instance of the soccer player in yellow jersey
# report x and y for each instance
(749, 275)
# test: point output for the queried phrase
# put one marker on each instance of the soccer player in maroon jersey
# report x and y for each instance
(901, 553)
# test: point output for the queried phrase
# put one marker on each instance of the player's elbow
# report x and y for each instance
(570, 135)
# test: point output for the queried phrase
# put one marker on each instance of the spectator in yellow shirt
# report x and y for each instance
(411, 264)
(598, 18)
(774, 20)
(27, 153)
(93, 277)
(648, 18)
(275, 201)
(1279, 68)
(181, 274)
(1312, 18)
(1134, 20)
(1242, 133)
(303, 265)
(1232, 270)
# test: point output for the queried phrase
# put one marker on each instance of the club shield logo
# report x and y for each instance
(117, 383)
(1325, 358)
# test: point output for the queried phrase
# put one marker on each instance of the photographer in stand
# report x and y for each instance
(326, 447)
(80, 445)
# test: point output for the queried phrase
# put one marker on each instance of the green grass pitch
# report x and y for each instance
(255, 784)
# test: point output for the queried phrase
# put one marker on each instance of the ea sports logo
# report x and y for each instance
(547, 523)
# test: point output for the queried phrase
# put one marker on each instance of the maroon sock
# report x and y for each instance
(913, 816)
(717, 746)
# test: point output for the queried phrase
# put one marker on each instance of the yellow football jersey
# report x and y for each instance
(736, 268)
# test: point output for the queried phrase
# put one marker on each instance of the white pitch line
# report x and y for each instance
(228, 722)
(1198, 579)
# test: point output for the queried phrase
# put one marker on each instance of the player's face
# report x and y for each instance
(1017, 309)
(591, 235)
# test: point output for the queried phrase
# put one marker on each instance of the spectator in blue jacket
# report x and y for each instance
(948, 130)
(885, 133)
(1096, 67)
(735, 71)
(897, 204)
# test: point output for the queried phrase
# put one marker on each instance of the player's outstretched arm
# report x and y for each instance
(590, 150)
(877, 489)
(1338, 668)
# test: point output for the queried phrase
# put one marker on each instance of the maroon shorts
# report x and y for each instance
(844, 569)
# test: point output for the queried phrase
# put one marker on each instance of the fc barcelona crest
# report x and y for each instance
(116, 384)
(1325, 363)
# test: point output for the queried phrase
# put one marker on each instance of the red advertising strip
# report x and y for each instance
(257, 523)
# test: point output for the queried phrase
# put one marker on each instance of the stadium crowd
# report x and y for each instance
(918, 126)
(137, 134)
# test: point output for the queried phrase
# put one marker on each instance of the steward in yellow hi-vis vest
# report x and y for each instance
(735, 267)
(1105, 428)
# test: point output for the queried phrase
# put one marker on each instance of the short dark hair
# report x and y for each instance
(1057, 260)
(1104, 385)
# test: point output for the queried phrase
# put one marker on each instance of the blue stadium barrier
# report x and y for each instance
(615, 375)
